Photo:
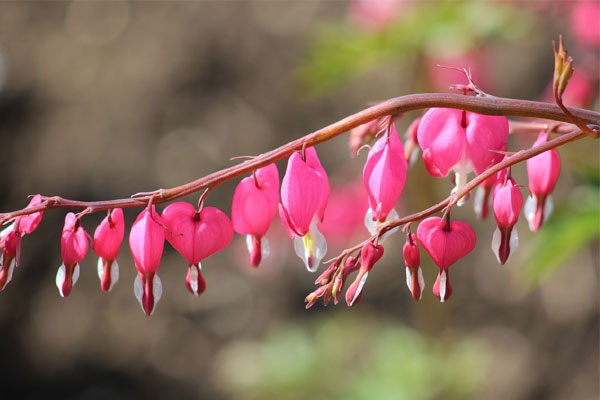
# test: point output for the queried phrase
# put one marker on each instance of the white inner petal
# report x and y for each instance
(11, 268)
(496, 239)
(60, 278)
(138, 289)
(359, 288)
(75, 275)
(194, 279)
(408, 279)
(478, 200)
(312, 246)
(514, 241)
(443, 286)
(373, 225)
(114, 274)
(421, 281)
(156, 289)
(100, 268)
(529, 210)
(7, 230)
(548, 208)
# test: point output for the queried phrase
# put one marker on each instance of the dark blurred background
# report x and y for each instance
(101, 100)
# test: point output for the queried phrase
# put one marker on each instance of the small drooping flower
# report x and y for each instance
(411, 144)
(482, 196)
(146, 241)
(446, 244)
(384, 176)
(304, 194)
(107, 239)
(461, 141)
(414, 274)
(196, 235)
(10, 240)
(507, 204)
(73, 249)
(370, 254)
(543, 171)
(254, 206)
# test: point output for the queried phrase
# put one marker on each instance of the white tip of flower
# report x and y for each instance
(61, 275)
(359, 289)
(311, 248)
(408, 279)
(114, 272)
(478, 201)
(194, 279)
(373, 225)
(443, 286)
(7, 230)
(529, 211)
(414, 156)
(548, 208)
(421, 282)
(10, 270)
(496, 240)
(460, 180)
(138, 290)
(265, 248)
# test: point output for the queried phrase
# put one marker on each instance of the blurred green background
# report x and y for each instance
(100, 100)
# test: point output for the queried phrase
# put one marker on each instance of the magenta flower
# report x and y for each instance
(196, 235)
(304, 194)
(384, 176)
(254, 206)
(446, 244)
(146, 241)
(507, 204)
(370, 254)
(543, 171)
(107, 239)
(73, 248)
(414, 274)
(10, 241)
(460, 141)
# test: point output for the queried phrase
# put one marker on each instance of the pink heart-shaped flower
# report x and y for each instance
(446, 246)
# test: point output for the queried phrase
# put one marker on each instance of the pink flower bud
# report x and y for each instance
(414, 275)
(384, 175)
(445, 244)
(254, 206)
(196, 235)
(74, 247)
(507, 203)
(351, 264)
(304, 194)
(146, 241)
(107, 240)
(370, 254)
(362, 135)
(543, 171)
(461, 141)
(29, 223)
(10, 241)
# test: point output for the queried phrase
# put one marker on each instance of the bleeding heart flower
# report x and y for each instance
(107, 239)
(73, 249)
(414, 274)
(146, 241)
(370, 254)
(254, 206)
(304, 194)
(29, 223)
(543, 171)
(384, 176)
(507, 204)
(460, 141)
(196, 235)
(446, 244)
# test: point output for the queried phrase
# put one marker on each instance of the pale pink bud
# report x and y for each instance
(146, 241)
(412, 259)
(507, 203)
(196, 235)
(461, 141)
(445, 244)
(370, 254)
(74, 247)
(543, 171)
(254, 206)
(384, 174)
(107, 240)
(304, 194)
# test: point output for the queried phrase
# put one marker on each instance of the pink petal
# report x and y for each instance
(484, 134)
(146, 241)
(543, 169)
(446, 247)
(442, 139)
(304, 191)
(268, 182)
(384, 174)
(251, 209)
(109, 235)
(74, 242)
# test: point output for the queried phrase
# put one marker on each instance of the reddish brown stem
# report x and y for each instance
(482, 105)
